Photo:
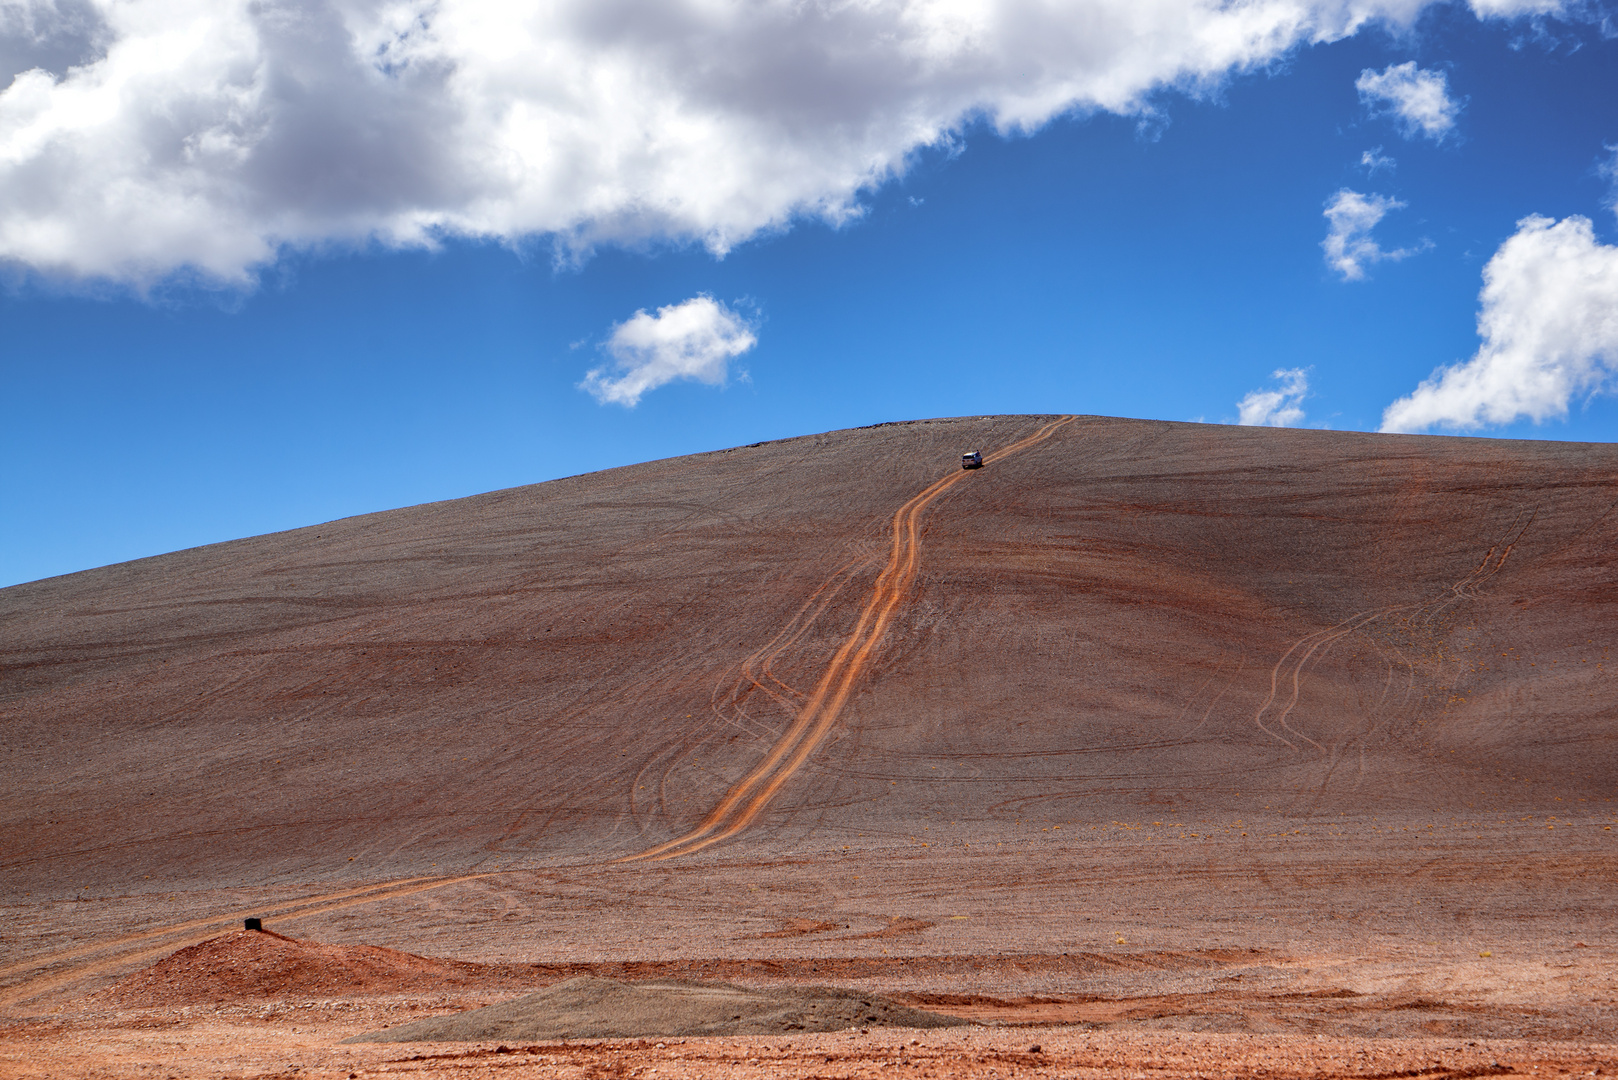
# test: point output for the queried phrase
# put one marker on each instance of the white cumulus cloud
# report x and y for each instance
(1418, 99)
(1548, 320)
(1280, 406)
(1349, 247)
(695, 340)
(143, 137)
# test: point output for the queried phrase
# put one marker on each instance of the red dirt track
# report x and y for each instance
(1157, 728)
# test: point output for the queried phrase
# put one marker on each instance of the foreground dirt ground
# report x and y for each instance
(1172, 749)
(1118, 953)
(221, 1049)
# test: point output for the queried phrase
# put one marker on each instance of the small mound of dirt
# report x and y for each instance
(595, 1008)
(258, 964)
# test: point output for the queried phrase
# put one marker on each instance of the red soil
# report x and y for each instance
(253, 965)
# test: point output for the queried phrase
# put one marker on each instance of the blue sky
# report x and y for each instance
(1146, 243)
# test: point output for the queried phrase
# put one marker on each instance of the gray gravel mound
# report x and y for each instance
(594, 1008)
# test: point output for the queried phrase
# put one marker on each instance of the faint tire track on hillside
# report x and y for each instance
(757, 670)
(730, 705)
(743, 803)
(1290, 667)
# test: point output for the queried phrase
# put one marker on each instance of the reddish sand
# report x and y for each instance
(1153, 690)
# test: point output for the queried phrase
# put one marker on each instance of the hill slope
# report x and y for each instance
(1127, 618)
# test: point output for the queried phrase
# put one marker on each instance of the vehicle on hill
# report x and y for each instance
(972, 459)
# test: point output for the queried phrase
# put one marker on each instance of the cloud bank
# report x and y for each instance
(143, 137)
(1418, 99)
(1548, 319)
(695, 340)
(1350, 217)
(1278, 407)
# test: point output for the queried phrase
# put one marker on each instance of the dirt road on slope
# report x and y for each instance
(743, 803)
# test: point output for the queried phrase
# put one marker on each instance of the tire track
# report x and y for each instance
(748, 798)
(1321, 641)
(758, 668)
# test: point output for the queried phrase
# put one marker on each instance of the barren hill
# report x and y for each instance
(1121, 620)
